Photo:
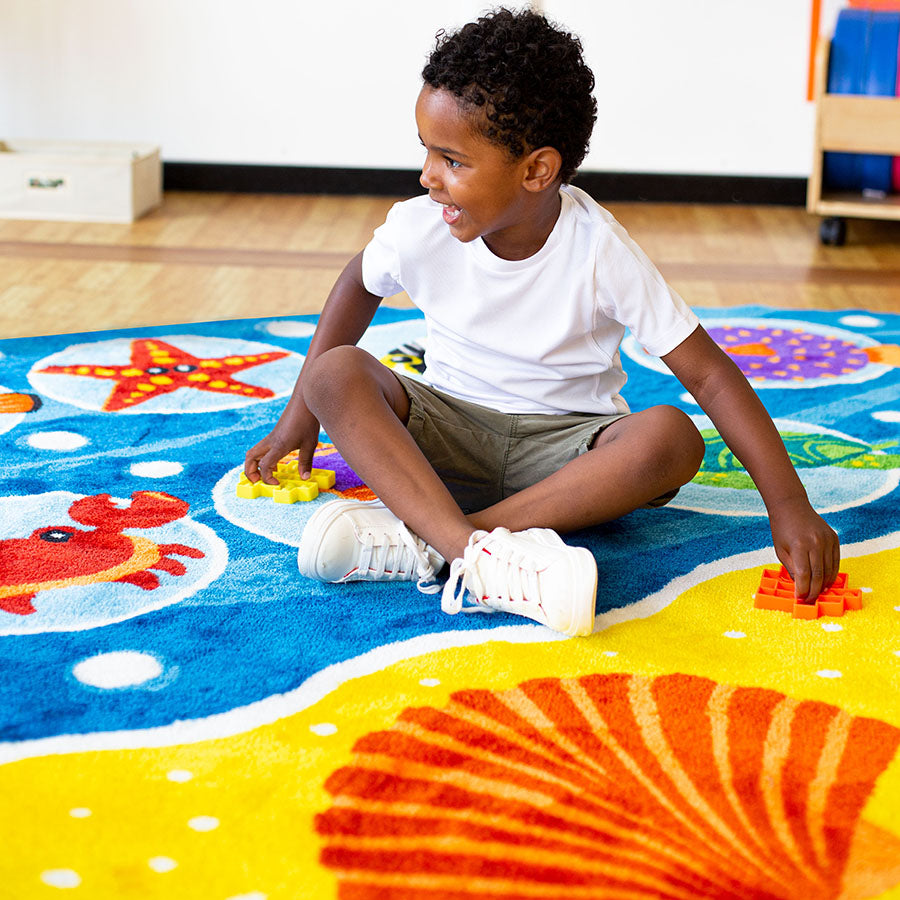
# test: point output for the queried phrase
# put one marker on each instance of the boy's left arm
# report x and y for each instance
(804, 543)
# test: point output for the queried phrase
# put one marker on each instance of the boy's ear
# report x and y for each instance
(542, 169)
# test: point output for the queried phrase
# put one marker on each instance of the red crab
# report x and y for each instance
(57, 556)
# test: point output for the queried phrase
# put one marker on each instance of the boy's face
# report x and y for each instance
(477, 182)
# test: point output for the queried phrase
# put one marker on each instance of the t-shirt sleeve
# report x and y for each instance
(631, 290)
(381, 259)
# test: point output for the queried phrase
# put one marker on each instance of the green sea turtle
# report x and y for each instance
(721, 468)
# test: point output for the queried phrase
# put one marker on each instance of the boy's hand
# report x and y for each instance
(262, 458)
(807, 547)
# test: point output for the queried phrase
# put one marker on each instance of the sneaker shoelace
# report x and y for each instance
(395, 557)
(494, 572)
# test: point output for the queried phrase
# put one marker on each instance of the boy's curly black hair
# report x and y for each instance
(527, 75)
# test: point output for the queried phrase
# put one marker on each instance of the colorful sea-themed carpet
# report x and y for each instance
(184, 716)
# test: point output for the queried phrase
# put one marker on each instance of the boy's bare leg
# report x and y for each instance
(633, 461)
(363, 408)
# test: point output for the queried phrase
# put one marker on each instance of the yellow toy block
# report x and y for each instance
(290, 488)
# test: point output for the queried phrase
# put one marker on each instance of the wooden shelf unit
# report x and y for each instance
(853, 124)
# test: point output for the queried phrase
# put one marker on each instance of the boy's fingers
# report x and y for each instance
(814, 572)
(267, 465)
(305, 464)
(251, 466)
(267, 470)
(801, 580)
(834, 566)
(816, 578)
(799, 572)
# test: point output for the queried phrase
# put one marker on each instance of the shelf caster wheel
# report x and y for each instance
(833, 231)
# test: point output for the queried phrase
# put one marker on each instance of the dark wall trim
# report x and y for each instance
(749, 190)
(243, 179)
(606, 187)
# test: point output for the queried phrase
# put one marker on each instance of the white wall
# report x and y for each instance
(697, 86)
(700, 86)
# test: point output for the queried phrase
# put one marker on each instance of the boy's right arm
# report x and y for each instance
(346, 315)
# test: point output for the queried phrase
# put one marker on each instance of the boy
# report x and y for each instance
(527, 286)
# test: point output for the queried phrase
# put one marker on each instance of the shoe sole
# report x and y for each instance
(306, 553)
(584, 569)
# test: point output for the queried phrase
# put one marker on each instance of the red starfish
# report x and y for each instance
(160, 368)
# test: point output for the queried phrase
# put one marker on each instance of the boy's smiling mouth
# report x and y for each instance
(451, 213)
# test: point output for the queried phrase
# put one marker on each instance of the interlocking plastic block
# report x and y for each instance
(290, 488)
(776, 591)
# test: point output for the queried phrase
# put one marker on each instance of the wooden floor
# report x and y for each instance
(204, 256)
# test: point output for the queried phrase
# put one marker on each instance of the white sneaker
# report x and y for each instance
(531, 573)
(349, 540)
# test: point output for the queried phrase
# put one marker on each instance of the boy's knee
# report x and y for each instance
(678, 446)
(331, 374)
(686, 441)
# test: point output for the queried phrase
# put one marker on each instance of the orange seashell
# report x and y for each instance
(613, 786)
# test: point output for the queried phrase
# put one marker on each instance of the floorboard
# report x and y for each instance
(207, 256)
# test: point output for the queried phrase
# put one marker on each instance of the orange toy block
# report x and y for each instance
(776, 591)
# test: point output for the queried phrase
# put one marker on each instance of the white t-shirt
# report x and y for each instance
(537, 335)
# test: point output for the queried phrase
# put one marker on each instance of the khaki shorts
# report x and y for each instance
(483, 455)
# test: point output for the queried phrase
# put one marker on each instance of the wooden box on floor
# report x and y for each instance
(78, 181)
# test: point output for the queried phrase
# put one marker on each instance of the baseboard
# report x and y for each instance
(627, 187)
(245, 179)
(604, 186)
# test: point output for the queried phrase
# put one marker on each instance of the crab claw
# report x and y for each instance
(18, 604)
(19, 403)
(148, 509)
